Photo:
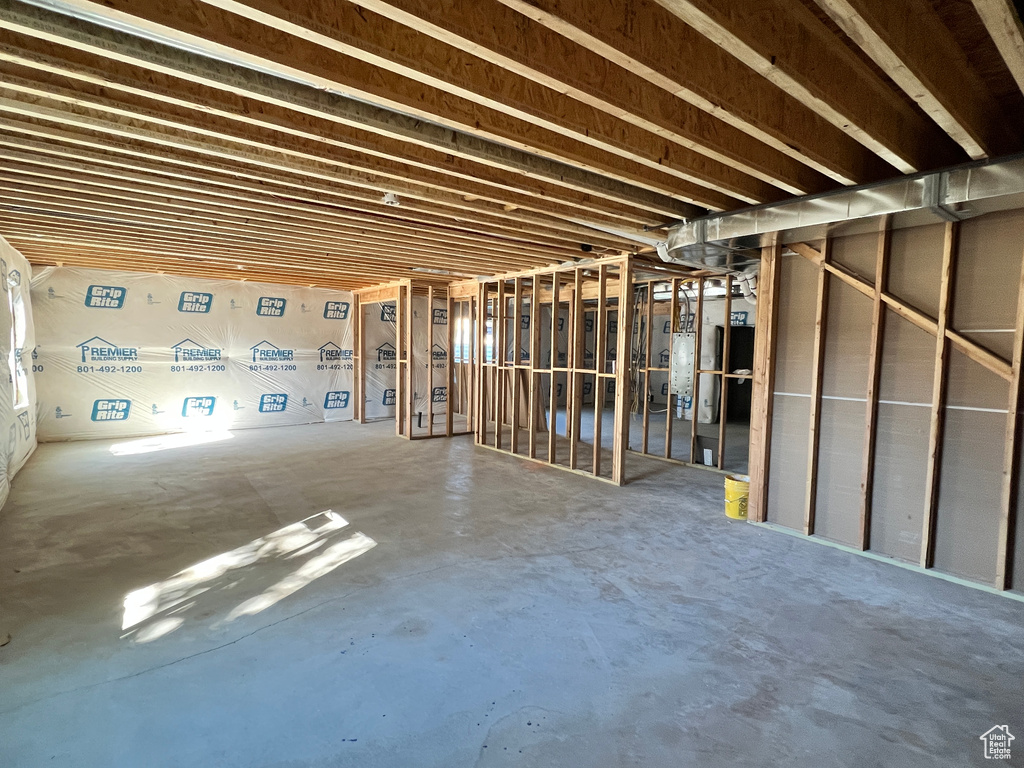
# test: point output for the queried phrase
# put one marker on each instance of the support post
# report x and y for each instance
(874, 380)
(939, 377)
(763, 395)
(622, 363)
(817, 371)
(1009, 501)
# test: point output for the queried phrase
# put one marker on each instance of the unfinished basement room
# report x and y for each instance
(527, 383)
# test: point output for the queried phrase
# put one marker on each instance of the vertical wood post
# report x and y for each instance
(723, 389)
(450, 395)
(763, 393)
(648, 340)
(623, 341)
(939, 376)
(698, 326)
(400, 362)
(359, 363)
(673, 329)
(817, 370)
(600, 353)
(535, 406)
(499, 356)
(430, 360)
(874, 379)
(1009, 500)
(410, 354)
(553, 393)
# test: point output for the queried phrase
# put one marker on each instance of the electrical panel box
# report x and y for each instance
(681, 369)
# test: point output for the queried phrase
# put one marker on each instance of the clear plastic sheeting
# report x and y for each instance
(17, 382)
(125, 353)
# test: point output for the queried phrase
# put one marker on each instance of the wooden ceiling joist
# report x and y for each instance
(787, 44)
(223, 34)
(352, 143)
(648, 40)
(1004, 26)
(183, 171)
(495, 33)
(96, 43)
(909, 42)
(61, 184)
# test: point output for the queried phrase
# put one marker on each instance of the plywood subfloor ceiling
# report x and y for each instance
(257, 139)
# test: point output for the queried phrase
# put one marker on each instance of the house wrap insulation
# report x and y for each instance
(124, 353)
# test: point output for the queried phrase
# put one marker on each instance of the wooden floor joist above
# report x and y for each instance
(367, 142)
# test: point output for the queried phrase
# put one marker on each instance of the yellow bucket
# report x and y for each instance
(737, 487)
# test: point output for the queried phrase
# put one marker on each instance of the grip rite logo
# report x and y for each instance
(191, 301)
(389, 397)
(198, 406)
(336, 400)
(275, 403)
(268, 306)
(111, 410)
(105, 296)
(336, 310)
(388, 313)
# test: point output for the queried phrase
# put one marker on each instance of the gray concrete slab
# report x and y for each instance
(476, 610)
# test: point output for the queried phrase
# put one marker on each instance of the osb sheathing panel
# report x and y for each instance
(901, 458)
(837, 515)
(908, 362)
(847, 343)
(845, 375)
(787, 485)
(901, 441)
(796, 307)
(967, 523)
(915, 260)
(988, 268)
(856, 253)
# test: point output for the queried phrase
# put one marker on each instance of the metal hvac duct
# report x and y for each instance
(730, 242)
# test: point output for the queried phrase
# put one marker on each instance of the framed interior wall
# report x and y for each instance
(431, 361)
(550, 387)
(701, 313)
(887, 396)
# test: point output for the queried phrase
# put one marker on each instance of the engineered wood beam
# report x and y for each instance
(131, 88)
(310, 99)
(508, 39)
(41, 145)
(651, 42)
(69, 204)
(1004, 26)
(288, 221)
(224, 136)
(357, 32)
(912, 46)
(792, 48)
(291, 50)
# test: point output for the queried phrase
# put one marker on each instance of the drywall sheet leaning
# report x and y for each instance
(124, 353)
(17, 385)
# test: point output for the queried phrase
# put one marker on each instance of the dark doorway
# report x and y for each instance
(741, 356)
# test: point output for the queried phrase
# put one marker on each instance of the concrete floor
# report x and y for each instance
(476, 610)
